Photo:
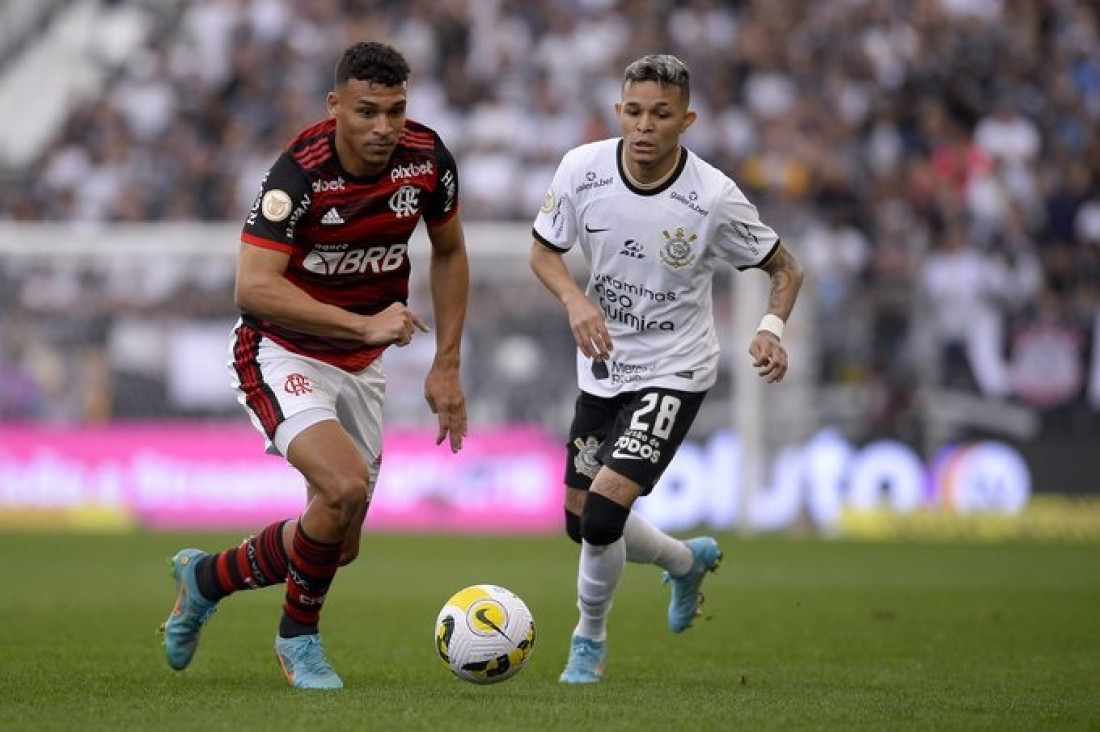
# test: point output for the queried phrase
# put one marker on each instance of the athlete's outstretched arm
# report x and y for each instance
(585, 319)
(449, 279)
(768, 354)
(262, 290)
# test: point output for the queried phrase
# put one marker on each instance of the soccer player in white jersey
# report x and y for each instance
(654, 221)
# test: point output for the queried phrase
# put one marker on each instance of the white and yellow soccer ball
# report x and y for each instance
(485, 634)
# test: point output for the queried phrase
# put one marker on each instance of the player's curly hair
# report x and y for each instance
(663, 68)
(372, 61)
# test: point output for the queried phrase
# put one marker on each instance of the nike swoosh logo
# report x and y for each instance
(483, 616)
(590, 230)
(625, 456)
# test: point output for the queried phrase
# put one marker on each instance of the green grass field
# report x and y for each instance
(801, 635)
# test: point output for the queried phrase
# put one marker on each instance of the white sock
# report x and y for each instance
(646, 544)
(600, 569)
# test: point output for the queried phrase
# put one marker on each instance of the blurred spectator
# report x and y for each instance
(838, 253)
(977, 118)
(958, 289)
(21, 396)
(1048, 358)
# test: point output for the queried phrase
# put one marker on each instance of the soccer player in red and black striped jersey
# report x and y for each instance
(322, 286)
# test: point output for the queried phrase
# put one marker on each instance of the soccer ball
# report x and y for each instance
(484, 634)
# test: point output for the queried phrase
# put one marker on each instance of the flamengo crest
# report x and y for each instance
(297, 384)
(405, 201)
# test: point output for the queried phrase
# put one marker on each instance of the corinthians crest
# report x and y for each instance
(676, 252)
(585, 462)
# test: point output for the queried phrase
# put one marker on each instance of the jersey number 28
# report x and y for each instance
(666, 406)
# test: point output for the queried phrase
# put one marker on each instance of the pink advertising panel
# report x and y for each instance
(216, 476)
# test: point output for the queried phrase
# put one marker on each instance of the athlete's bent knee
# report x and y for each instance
(603, 520)
(345, 494)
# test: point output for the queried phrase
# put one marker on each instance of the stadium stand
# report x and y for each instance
(939, 170)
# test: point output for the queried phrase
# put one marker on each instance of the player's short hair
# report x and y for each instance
(663, 68)
(372, 61)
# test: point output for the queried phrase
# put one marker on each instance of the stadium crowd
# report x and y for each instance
(935, 163)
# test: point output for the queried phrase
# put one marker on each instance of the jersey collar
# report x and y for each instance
(649, 191)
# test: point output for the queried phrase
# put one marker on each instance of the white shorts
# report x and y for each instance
(284, 393)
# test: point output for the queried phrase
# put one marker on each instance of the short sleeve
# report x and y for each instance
(555, 223)
(742, 239)
(444, 199)
(283, 199)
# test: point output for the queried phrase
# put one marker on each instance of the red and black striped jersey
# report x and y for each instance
(348, 237)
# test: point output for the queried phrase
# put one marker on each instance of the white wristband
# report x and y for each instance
(773, 324)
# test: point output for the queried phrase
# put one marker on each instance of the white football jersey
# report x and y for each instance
(652, 255)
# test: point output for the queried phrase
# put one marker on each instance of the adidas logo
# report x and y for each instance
(332, 217)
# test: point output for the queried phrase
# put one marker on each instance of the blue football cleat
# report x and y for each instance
(304, 663)
(686, 598)
(586, 661)
(192, 610)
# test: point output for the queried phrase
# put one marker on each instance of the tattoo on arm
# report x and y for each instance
(786, 279)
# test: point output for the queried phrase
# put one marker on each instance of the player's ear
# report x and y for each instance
(689, 120)
(332, 101)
